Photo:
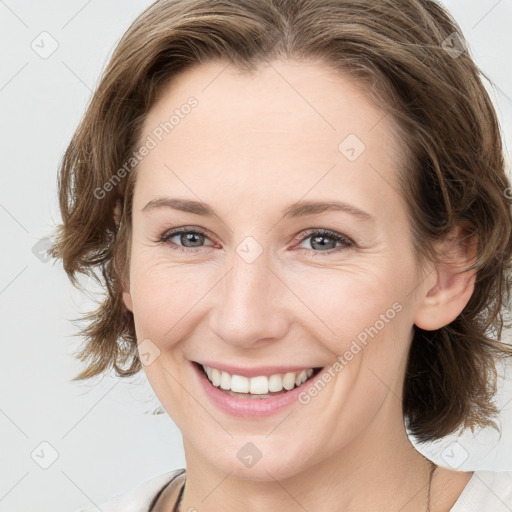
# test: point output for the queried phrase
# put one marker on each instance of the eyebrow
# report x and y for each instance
(298, 209)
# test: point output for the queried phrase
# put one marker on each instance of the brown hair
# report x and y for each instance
(410, 56)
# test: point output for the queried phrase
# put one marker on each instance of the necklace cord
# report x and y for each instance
(433, 467)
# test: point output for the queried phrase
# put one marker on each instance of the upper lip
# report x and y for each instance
(254, 371)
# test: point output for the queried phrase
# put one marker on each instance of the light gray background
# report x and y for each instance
(101, 438)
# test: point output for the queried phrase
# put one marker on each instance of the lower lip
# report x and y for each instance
(250, 407)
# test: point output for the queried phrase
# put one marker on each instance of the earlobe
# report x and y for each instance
(118, 210)
(125, 283)
(126, 293)
(127, 299)
(445, 300)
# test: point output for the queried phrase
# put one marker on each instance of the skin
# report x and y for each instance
(253, 145)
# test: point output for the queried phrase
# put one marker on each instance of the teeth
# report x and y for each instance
(225, 380)
(260, 385)
(300, 377)
(289, 380)
(275, 383)
(215, 376)
(239, 384)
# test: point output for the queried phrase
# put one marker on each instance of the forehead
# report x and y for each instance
(289, 125)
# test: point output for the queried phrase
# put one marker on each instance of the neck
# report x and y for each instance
(377, 471)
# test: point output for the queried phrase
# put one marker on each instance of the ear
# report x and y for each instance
(127, 298)
(454, 285)
(118, 210)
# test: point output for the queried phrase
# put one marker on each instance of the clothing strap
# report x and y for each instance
(159, 493)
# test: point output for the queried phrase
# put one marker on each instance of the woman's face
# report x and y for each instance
(258, 284)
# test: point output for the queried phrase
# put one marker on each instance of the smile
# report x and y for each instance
(263, 391)
(259, 385)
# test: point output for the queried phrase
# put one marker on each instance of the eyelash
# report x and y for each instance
(345, 242)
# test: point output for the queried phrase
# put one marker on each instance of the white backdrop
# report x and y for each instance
(67, 445)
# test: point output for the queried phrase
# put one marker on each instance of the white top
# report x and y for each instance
(486, 491)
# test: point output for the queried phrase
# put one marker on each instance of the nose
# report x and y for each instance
(251, 304)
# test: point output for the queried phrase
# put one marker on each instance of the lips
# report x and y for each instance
(257, 405)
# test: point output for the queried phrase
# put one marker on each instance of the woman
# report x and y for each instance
(299, 211)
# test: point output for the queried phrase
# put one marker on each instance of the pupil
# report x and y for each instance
(323, 244)
(189, 237)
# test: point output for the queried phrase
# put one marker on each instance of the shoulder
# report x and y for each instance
(137, 499)
(486, 490)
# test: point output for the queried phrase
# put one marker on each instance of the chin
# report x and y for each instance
(258, 459)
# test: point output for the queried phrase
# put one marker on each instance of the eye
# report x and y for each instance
(187, 239)
(324, 239)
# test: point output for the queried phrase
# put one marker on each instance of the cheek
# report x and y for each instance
(165, 297)
(354, 303)
(369, 326)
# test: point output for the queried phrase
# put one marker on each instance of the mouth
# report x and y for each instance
(258, 393)
(257, 387)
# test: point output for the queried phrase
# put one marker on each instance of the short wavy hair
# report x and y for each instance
(412, 59)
